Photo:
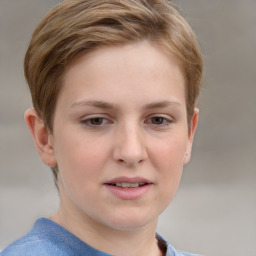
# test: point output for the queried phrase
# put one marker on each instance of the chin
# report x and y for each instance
(131, 221)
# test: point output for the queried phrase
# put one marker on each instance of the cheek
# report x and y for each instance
(168, 161)
(169, 153)
(80, 160)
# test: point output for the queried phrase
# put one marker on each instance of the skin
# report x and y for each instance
(121, 113)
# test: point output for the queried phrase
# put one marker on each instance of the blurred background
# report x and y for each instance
(214, 211)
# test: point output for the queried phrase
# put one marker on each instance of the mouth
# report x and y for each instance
(128, 182)
(128, 188)
(128, 185)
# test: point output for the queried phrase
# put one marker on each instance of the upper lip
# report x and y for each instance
(124, 179)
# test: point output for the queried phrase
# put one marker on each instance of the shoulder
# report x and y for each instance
(34, 243)
(47, 238)
(171, 251)
(181, 253)
(31, 245)
(26, 246)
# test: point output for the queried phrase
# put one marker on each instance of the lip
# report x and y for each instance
(128, 193)
(125, 179)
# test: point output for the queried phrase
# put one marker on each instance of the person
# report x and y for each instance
(114, 85)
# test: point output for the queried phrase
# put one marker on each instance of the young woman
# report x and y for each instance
(114, 85)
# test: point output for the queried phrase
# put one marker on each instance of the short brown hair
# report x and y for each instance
(76, 27)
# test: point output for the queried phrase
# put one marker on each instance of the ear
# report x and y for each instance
(43, 139)
(191, 133)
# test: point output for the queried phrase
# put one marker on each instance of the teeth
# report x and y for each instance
(130, 185)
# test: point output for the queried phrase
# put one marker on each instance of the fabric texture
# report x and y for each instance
(47, 238)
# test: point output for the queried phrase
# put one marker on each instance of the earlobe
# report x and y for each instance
(191, 133)
(42, 137)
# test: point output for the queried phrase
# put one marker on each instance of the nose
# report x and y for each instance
(130, 148)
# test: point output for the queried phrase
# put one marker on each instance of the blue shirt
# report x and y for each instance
(47, 238)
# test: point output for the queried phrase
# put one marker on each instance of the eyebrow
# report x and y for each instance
(162, 104)
(94, 103)
(107, 105)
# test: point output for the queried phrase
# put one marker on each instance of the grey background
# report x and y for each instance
(214, 212)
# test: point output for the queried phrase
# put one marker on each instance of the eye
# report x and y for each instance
(95, 121)
(159, 121)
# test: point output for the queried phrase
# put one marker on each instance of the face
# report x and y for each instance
(120, 135)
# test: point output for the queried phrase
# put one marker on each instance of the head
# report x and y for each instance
(76, 28)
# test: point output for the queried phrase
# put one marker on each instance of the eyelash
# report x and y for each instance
(89, 121)
(104, 121)
(164, 121)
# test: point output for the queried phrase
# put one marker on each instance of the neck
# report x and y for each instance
(140, 241)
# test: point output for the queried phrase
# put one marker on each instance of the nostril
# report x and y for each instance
(130, 163)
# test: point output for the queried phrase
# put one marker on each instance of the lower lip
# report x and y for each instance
(128, 193)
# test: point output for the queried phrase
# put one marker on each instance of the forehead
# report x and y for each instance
(125, 70)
